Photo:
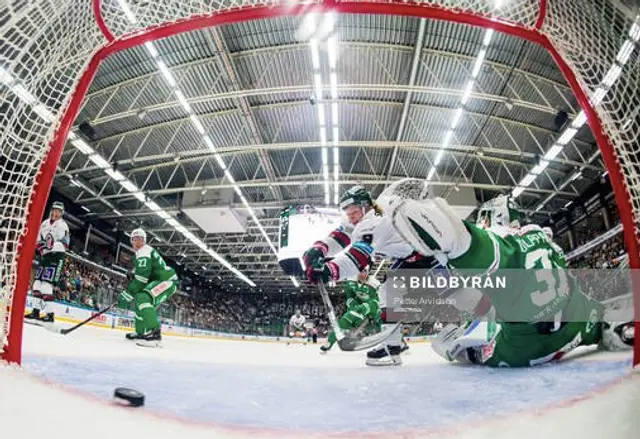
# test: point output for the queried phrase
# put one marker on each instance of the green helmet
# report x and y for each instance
(357, 195)
(501, 211)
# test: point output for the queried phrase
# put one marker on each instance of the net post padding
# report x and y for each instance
(255, 12)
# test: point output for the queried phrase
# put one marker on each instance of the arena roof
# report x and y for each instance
(165, 116)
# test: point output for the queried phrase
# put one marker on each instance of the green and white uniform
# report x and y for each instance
(153, 283)
(547, 313)
(362, 305)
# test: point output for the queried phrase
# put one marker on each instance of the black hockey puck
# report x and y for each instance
(128, 397)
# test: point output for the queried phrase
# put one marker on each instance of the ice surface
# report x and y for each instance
(215, 388)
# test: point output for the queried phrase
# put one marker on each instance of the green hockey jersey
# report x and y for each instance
(537, 285)
(149, 267)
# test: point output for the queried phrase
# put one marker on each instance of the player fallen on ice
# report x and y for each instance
(153, 283)
(51, 248)
(363, 308)
(365, 233)
(555, 315)
(296, 326)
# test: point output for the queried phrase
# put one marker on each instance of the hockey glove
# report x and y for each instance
(124, 300)
(324, 273)
(314, 256)
(40, 246)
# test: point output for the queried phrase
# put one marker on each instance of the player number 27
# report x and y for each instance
(555, 281)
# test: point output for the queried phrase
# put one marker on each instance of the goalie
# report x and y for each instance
(296, 326)
(552, 315)
(153, 283)
(51, 248)
(363, 308)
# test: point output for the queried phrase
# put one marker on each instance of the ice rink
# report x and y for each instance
(198, 388)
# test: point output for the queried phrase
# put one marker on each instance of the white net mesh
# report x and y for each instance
(46, 45)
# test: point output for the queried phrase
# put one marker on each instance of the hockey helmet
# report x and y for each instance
(58, 205)
(500, 211)
(400, 191)
(357, 195)
(139, 233)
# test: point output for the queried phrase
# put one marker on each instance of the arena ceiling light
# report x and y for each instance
(609, 79)
(128, 185)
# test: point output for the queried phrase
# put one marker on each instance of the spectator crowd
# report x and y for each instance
(92, 285)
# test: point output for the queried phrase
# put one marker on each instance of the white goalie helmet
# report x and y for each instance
(401, 191)
(139, 233)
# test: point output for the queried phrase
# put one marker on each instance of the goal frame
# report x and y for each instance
(113, 44)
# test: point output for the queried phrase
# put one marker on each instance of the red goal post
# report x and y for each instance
(50, 51)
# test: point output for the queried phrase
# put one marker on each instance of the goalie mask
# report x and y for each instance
(400, 191)
(502, 211)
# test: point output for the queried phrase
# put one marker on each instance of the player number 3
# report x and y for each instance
(555, 280)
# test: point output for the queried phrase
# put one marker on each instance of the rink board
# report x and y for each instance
(68, 313)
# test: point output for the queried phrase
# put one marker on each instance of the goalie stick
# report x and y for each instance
(348, 342)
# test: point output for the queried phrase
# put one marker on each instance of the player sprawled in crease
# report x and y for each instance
(51, 248)
(153, 283)
(365, 233)
(565, 317)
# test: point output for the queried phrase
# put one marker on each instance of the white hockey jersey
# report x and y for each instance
(297, 321)
(355, 246)
(54, 236)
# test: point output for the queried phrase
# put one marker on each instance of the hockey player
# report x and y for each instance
(363, 308)
(51, 248)
(153, 283)
(553, 315)
(296, 325)
(352, 245)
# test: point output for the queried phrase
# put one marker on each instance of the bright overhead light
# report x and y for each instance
(183, 101)
(152, 205)
(309, 22)
(540, 167)
(85, 208)
(612, 75)
(334, 114)
(238, 191)
(139, 195)
(527, 180)
(127, 12)
(580, 120)
(566, 136)
(209, 143)
(456, 118)
(625, 52)
(317, 82)
(447, 139)
(431, 172)
(172, 222)
(568, 204)
(553, 152)
(162, 214)
(196, 122)
(325, 156)
(44, 113)
(336, 171)
(5, 77)
(332, 51)
(218, 158)
(323, 135)
(99, 161)
(24, 94)
(467, 92)
(336, 156)
(327, 201)
(634, 32)
(315, 53)
(166, 73)
(333, 78)
(478, 64)
(539, 207)
(576, 176)
(117, 212)
(326, 27)
(82, 146)
(151, 49)
(321, 120)
(229, 176)
(336, 134)
(598, 95)
(517, 192)
(129, 186)
(487, 37)
(325, 175)
(438, 157)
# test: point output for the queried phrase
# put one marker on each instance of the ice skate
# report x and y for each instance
(33, 315)
(132, 336)
(617, 336)
(152, 339)
(325, 348)
(48, 318)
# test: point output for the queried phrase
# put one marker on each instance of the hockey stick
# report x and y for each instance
(84, 322)
(351, 343)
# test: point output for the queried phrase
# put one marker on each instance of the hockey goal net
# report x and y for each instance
(50, 50)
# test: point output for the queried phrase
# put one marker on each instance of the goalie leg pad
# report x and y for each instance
(453, 342)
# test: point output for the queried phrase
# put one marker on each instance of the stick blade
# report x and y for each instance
(359, 344)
